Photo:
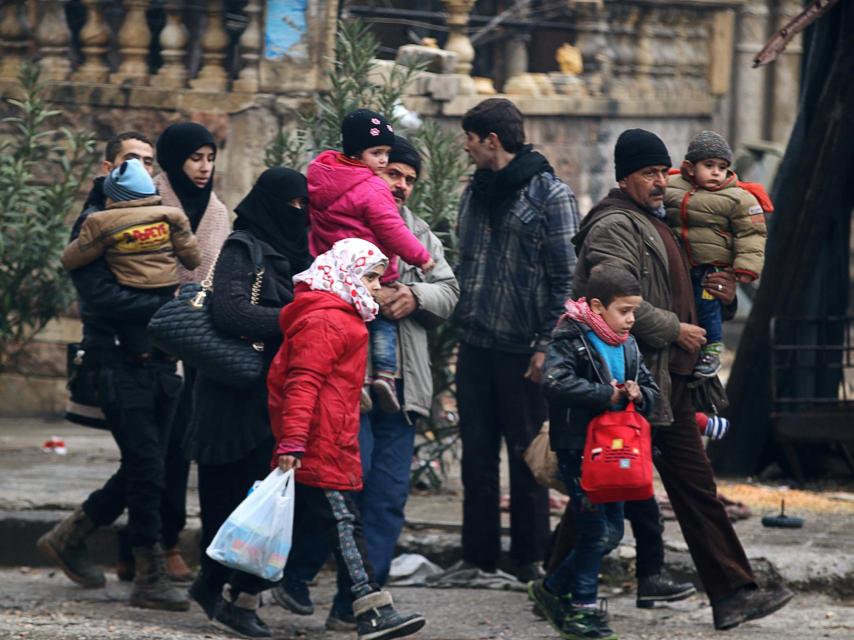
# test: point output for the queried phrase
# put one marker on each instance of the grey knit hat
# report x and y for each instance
(706, 145)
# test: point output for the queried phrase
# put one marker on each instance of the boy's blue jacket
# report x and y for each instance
(577, 385)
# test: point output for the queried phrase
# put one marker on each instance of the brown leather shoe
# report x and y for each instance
(176, 569)
(749, 604)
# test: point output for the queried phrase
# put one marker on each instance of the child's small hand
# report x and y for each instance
(428, 266)
(287, 462)
(633, 392)
(617, 394)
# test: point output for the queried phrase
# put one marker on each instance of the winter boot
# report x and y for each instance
(237, 613)
(125, 570)
(377, 618)
(65, 544)
(176, 569)
(152, 589)
(385, 389)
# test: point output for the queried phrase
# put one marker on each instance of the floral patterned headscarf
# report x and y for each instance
(340, 271)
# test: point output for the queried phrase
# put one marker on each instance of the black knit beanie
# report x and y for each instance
(402, 151)
(636, 149)
(363, 129)
(707, 145)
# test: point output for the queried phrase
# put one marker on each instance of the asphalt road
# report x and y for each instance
(44, 605)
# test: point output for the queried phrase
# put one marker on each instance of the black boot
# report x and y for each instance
(237, 612)
(152, 589)
(65, 544)
(205, 593)
(377, 618)
(658, 588)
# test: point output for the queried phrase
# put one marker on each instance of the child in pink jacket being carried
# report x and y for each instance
(347, 199)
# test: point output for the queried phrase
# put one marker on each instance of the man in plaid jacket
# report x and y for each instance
(515, 271)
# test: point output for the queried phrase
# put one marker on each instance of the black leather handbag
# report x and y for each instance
(184, 327)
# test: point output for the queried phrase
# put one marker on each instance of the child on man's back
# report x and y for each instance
(346, 199)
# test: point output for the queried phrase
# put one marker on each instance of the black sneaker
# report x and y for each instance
(552, 607)
(377, 619)
(340, 619)
(587, 623)
(708, 365)
(385, 390)
(240, 620)
(294, 596)
(652, 589)
(749, 604)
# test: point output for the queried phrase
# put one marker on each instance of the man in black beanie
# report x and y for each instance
(627, 229)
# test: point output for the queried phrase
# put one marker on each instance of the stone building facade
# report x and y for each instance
(243, 68)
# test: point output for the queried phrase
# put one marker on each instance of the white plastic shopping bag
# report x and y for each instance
(256, 537)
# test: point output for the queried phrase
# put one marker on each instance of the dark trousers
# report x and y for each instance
(221, 488)
(648, 530)
(386, 443)
(709, 312)
(139, 403)
(687, 475)
(496, 401)
(333, 517)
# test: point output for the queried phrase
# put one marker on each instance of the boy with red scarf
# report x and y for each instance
(592, 365)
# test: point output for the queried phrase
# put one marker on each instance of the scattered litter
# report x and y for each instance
(841, 496)
(412, 570)
(56, 445)
(464, 576)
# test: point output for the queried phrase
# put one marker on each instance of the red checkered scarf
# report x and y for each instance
(580, 311)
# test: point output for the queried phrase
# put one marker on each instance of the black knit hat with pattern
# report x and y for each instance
(363, 129)
(636, 149)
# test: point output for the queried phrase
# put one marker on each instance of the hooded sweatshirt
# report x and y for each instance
(347, 200)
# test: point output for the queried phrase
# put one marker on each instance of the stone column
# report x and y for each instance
(94, 41)
(786, 78)
(748, 105)
(13, 39)
(644, 56)
(458, 40)
(596, 48)
(212, 75)
(53, 38)
(134, 40)
(173, 45)
(250, 50)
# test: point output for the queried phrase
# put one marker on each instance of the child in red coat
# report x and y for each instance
(347, 199)
(314, 385)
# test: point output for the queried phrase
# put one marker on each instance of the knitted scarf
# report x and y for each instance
(580, 311)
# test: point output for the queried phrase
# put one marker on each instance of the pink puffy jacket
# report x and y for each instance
(346, 200)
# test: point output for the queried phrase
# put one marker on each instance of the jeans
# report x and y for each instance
(599, 529)
(139, 402)
(497, 403)
(383, 345)
(386, 443)
(708, 311)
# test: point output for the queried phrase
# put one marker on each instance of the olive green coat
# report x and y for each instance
(724, 227)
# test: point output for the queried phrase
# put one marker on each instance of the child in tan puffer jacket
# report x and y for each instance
(721, 226)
